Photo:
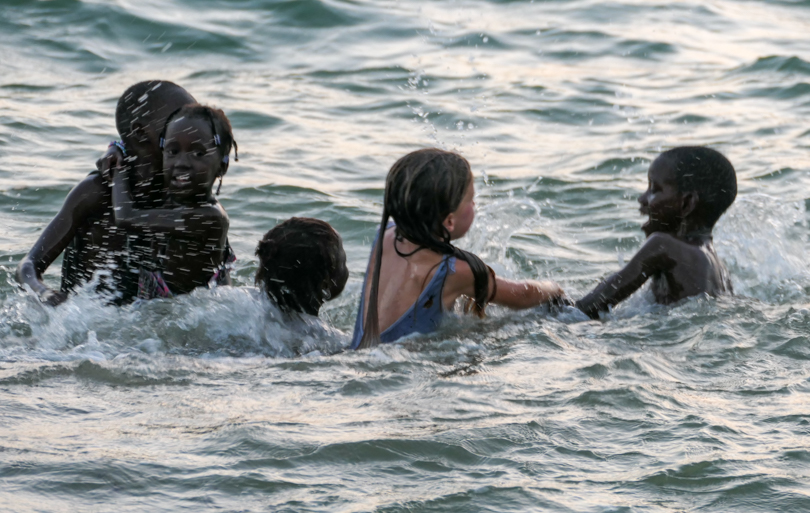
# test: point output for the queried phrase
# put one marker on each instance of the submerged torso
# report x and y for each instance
(193, 257)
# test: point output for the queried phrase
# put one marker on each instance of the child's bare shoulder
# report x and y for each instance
(460, 282)
(663, 251)
(90, 194)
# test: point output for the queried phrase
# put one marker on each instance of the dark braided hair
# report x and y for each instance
(302, 264)
(421, 190)
(220, 126)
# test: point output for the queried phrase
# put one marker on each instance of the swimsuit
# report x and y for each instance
(424, 316)
(152, 285)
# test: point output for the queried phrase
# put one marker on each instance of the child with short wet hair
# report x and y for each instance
(415, 274)
(302, 265)
(190, 230)
(84, 228)
(688, 190)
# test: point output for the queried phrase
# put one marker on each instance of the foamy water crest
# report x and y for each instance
(225, 321)
(764, 242)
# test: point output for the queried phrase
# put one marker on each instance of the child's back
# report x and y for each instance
(426, 281)
(688, 190)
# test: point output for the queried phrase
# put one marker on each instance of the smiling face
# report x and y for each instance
(191, 160)
(140, 116)
(662, 202)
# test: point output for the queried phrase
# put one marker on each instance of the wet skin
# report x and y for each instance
(678, 254)
(84, 227)
(190, 230)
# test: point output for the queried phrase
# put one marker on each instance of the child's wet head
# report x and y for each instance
(141, 114)
(302, 264)
(423, 188)
(196, 142)
(691, 185)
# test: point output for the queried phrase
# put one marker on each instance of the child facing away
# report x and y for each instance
(416, 273)
(302, 265)
(688, 190)
(189, 232)
(84, 228)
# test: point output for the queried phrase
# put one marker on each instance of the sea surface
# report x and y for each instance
(216, 402)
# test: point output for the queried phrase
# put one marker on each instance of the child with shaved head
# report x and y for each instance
(84, 229)
(688, 190)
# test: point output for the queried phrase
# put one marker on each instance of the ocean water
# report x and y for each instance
(216, 402)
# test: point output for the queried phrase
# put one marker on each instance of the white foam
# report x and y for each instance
(226, 321)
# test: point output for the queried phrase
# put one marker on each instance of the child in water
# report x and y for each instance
(84, 228)
(302, 265)
(416, 272)
(688, 190)
(190, 230)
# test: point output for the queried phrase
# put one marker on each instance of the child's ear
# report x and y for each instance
(223, 165)
(689, 203)
(449, 222)
(136, 131)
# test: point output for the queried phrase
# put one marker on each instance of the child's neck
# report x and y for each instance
(193, 202)
(405, 247)
(694, 233)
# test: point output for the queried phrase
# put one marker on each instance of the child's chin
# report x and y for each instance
(181, 194)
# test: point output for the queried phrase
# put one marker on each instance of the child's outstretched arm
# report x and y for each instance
(84, 199)
(654, 256)
(525, 294)
(509, 293)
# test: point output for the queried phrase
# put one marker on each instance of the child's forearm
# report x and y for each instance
(600, 298)
(122, 200)
(128, 216)
(525, 294)
(612, 290)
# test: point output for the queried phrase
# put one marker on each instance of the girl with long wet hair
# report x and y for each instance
(416, 272)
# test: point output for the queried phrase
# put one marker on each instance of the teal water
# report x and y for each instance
(213, 402)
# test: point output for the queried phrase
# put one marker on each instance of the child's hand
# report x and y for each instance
(552, 290)
(111, 160)
(52, 298)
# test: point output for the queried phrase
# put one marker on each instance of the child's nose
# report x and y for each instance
(643, 198)
(182, 159)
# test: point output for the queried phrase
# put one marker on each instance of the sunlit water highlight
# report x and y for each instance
(216, 401)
